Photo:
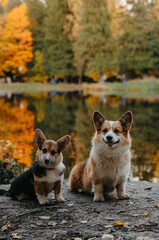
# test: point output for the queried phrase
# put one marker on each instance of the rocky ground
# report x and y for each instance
(81, 218)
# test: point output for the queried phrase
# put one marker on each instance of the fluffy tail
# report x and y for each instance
(3, 192)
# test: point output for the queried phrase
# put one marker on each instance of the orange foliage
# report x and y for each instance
(4, 2)
(17, 127)
(18, 40)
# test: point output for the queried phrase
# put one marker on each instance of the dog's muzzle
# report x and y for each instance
(110, 143)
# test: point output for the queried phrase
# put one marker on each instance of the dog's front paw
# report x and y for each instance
(98, 198)
(43, 202)
(59, 199)
(123, 196)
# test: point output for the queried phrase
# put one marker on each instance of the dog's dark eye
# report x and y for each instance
(53, 152)
(116, 130)
(44, 150)
(105, 130)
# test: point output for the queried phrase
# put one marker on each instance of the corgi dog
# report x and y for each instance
(108, 165)
(45, 175)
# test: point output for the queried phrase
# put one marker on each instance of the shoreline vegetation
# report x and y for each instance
(138, 88)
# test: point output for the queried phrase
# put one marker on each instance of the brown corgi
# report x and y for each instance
(45, 175)
(108, 165)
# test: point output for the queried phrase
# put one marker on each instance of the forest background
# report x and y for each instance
(78, 40)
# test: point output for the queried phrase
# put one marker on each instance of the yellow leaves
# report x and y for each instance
(145, 214)
(3, 2)
(6, 226)
(16, 235)
(17, 41)
(156, 205)
(120, 223)
(18, 129)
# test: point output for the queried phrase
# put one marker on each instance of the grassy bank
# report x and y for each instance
(134, 87)
(34, 87)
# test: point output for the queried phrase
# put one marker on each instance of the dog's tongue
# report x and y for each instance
(110, 143)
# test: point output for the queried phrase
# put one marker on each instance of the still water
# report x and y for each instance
(59, 114)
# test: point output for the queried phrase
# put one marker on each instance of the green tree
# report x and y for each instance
(38, 70)
(36, 12)
(12, 4)
(139, 44)
(95, 48)
(57, 49)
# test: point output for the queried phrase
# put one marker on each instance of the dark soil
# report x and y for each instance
(81, 218)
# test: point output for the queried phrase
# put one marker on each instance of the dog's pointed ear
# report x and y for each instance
(63, 143)
(39, 138)
(98, 120)
(126, 120)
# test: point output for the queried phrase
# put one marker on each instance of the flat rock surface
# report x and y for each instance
(81, 218)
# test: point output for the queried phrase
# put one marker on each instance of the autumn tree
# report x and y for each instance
(73, 25)
(3, 47)
(18, 39)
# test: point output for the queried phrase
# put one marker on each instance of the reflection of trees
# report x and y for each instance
(66, 114)
(156, 161)
(17, 126)
(62, 114)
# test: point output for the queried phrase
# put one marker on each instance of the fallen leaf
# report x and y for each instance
(64, 222)
(39, 223)
(15, 235)
(6, 226)
(108, 226)
(84, 221)
(114, 199)
(145, 214)
(70, 204)
(77, 238)
(156, 205)
(135, 215)
(141, 230)
(44, 217)
(119, 223)
(108, 236)
(52, 223)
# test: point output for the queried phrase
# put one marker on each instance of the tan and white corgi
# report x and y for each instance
(45, 175)
(108, 165)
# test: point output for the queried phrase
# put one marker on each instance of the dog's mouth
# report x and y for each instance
(110, 143)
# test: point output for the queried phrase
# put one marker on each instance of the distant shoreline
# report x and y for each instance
(147, 87)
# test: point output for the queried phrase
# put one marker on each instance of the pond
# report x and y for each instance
(59, 114)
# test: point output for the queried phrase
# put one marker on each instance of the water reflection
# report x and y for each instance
(58, 114)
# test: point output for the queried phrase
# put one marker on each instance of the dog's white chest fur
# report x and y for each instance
(111, 166)
(53, 175)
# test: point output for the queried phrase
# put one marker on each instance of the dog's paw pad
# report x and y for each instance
(59, 199)
(98, 199)
(44, 202)
(124, 196)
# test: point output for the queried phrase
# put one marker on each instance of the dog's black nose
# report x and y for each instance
(109, 138)
(47, 161)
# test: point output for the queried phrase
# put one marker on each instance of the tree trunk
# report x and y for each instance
(65, 79)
